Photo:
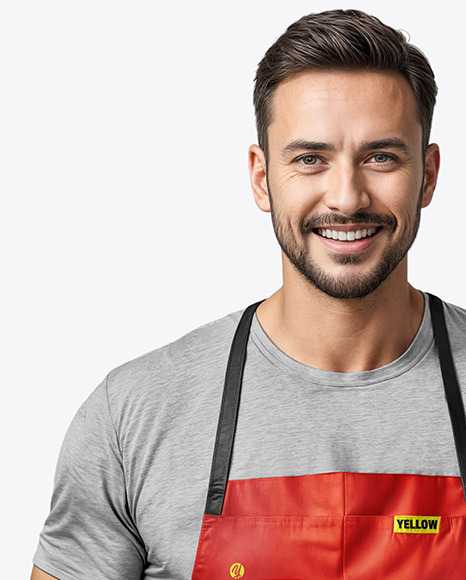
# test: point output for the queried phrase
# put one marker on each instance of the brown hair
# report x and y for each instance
(343, 40)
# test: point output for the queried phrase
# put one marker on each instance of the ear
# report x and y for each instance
(432, 165)
(258, 176)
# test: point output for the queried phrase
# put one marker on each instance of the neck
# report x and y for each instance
(343, 335)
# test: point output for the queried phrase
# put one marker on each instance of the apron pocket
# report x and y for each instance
(404, 546)
(269, 548)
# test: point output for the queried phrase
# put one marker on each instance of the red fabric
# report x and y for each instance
(335, 526)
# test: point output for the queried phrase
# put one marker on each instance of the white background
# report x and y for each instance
(126, 212)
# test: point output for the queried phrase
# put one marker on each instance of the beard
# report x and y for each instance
(350, 285)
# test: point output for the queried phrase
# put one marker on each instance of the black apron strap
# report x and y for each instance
(450, 383)
(229, 414)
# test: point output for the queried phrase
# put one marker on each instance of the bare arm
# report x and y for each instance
(38, 574)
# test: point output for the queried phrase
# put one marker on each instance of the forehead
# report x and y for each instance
(340, 106)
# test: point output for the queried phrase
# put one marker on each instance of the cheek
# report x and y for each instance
(398, 194)
(296, 194)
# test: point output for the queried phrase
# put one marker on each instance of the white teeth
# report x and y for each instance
(346, 236)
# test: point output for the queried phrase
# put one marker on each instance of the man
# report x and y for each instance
(338, 453)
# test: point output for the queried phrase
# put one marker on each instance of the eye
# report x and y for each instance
(382, 158)
(309, 159)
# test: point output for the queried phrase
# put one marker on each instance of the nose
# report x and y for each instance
(345, 190)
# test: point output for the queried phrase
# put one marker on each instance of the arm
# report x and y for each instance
(38, 574)
(89, 532)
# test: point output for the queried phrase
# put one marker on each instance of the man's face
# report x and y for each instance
(345, 177)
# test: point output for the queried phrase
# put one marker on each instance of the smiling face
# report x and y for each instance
(345, 178)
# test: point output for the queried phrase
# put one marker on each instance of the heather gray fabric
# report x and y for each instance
(133, 471)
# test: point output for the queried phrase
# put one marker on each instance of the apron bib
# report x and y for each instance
(332, 526)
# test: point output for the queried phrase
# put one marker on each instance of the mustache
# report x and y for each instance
(331, 219)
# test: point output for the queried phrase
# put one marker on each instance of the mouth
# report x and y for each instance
(350, 239)
(347, 233)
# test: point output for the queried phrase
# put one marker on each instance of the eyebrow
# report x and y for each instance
(389, 143)
(300, 144)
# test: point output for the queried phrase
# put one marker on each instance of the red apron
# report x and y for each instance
(352, 526)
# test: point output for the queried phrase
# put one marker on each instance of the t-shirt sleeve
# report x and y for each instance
(90, 532)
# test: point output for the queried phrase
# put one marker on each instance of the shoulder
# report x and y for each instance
(455, 318)
(195, 349)
(163, 376)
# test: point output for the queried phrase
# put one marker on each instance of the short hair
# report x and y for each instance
(343, 40)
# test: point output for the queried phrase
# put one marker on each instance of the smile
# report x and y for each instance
(350, 236)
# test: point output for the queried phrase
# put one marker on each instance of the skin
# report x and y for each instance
(327, 166)
(38, 574)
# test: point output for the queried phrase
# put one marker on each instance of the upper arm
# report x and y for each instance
(38, 574)
(90, 532)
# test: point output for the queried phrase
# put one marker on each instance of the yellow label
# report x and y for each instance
(416, 524)
(237, 571)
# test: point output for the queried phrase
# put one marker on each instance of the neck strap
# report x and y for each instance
(229, 414)
(450, 383)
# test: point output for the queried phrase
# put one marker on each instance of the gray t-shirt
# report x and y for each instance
(133, 471)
